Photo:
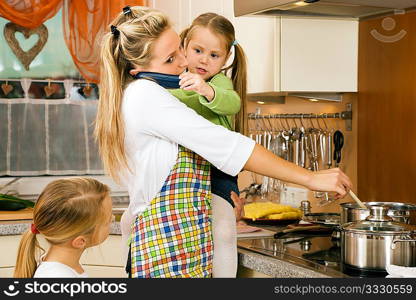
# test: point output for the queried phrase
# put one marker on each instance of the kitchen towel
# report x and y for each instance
(399, 271)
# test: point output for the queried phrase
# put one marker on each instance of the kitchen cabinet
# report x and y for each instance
(284, 54)
(318, 55)
(104, 260)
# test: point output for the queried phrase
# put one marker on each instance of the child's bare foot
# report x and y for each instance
(238, 206)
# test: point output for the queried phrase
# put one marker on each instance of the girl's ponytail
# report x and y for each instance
(26, 256)
(239, 79)
(183, 35)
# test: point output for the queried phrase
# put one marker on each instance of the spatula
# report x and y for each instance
(361, 204)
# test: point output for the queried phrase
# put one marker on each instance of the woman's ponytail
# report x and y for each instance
(109, 129)
(127, 46)
(26, 256)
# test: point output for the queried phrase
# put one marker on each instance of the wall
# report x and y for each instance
(387, 90)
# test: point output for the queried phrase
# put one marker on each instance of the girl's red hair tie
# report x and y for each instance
(33, 229)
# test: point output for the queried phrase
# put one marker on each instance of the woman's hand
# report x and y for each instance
(194, 82)
(330, 180)
(238, 206)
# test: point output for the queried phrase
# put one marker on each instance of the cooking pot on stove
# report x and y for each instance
(378, 241)
(399, 212)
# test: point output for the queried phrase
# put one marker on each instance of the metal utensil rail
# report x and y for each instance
(344, 115)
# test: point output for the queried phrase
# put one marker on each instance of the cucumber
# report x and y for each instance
(27, 203)
(11, 205)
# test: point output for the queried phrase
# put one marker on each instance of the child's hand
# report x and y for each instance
(238, 206)
(194, 82)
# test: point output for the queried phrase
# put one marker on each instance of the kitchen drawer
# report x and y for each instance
(6, 272)
(9, 245)
(108, 253)
(105, 271)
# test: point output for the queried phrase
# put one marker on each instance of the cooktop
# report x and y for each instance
(319, 253)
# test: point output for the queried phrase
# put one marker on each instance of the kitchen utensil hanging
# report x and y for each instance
(315, 147)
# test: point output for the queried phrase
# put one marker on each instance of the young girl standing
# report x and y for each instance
(208, 43)
(159, 148)
(71, 214)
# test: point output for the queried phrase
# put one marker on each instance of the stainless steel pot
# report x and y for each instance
(399, 212)
(376, 242)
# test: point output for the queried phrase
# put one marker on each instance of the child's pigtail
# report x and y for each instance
(239, 79)
(184, 35)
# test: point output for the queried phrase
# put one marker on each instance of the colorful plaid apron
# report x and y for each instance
(172, 237)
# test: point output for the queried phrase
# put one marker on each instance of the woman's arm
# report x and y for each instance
(266, 163)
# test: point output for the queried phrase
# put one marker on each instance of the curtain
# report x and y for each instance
(29, 13)
(84, 24)
(48, 136)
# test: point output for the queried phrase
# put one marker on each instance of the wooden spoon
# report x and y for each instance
(357, 200)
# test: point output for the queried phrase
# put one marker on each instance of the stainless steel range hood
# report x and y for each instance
(321, 8)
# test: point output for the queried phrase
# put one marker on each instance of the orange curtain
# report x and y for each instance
(84, 24)
(29, 13)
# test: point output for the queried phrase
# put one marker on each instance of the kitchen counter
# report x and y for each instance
(284, 260)
(20, 226)
(280, 265)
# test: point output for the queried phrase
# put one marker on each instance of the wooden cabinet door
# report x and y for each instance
(387, 109)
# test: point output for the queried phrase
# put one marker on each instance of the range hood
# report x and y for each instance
(355, 9)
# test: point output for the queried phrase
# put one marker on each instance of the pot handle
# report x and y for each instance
(394, 242)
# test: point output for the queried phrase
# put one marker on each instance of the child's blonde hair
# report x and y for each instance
(222, 26)
(130, 44)
(66, 208)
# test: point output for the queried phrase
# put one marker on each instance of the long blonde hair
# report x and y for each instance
(131, 45)
(224, 28)
(64, 210)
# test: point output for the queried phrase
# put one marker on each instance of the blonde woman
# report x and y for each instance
(71, 214)
(159, 148)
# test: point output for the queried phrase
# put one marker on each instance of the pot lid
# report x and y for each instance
(379, 227)
(390, 205)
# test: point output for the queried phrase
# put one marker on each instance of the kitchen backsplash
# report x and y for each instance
(349, 151)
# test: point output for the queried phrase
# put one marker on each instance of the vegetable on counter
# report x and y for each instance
(8, 202)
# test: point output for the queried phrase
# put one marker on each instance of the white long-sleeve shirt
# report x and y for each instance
(155, 123)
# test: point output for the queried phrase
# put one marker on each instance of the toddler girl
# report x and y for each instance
(208, 43)
(71, 214)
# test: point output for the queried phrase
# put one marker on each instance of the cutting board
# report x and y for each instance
(22, 214)
(259, 233)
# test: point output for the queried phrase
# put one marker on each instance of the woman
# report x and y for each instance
(160, 149)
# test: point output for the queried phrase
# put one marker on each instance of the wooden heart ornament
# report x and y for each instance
(25, 57)
(87, 90)
(49, 90)
(7, 88)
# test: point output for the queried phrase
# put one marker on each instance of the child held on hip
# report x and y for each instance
(72, 214)
(208, 44)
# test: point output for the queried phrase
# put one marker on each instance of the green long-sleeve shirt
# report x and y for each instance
(221, 109)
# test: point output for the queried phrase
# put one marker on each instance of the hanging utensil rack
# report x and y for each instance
(344, 115)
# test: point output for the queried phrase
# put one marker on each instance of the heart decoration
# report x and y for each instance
(7, 88)
(49, 90)
(87, 90)
(25, 57)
